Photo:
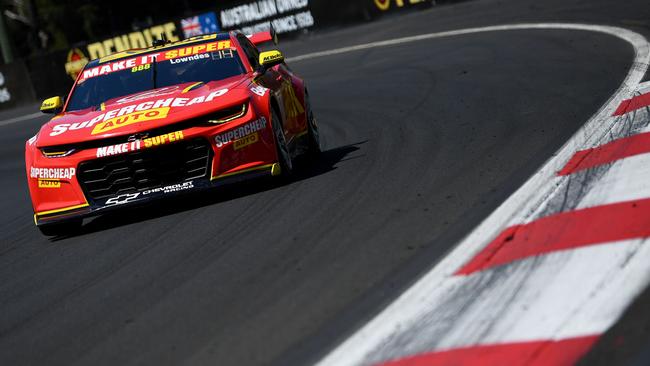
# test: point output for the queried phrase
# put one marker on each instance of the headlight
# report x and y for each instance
(228, 114)
(56, 152)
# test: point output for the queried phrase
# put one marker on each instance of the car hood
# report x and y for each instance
(143, 111)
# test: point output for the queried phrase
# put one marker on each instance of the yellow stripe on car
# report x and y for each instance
(191, 87)
(59, 210)
(262, 167)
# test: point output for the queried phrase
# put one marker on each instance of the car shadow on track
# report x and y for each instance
(324, 163)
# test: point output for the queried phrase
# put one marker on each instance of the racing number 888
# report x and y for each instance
(140, 67)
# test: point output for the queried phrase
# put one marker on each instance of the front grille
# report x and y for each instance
(145, 169)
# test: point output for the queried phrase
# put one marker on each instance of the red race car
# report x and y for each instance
(177, 117)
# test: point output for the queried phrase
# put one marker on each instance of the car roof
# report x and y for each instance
(140, 51)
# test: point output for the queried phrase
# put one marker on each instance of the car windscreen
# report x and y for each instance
(197, 63)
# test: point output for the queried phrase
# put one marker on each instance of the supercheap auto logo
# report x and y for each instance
(134, 113)
(246, 141)
(49, 183)
(129, 119)
(241, 132)
(52, 173)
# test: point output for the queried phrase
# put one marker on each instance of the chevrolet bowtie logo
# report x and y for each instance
(138, 136)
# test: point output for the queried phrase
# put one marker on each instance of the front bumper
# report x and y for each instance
(238, 150)
(142, 198)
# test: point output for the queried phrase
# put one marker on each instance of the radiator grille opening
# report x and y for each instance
(145, 169)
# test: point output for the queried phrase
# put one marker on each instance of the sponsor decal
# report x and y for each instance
(271, 57)
(118, 66)
(181, 60)
(384, 5)
(220, 55)
(197, 49)
(246, 141)
(240, 132)
(129, 197)
(132, 63)
(129, 119)
(52, 173)
(171, 189)
(200, 24)
(259, 90)
(118, 149)
(139, 63)
(135, 113)
(163, 139)
(216, 55)
(138, 144)
(122, 199)
(291, 103)
(49, 183)
(258, 16)
(75, 62)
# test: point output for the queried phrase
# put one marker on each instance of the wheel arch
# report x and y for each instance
(275, 106)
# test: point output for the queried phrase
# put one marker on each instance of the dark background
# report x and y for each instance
(42, 32)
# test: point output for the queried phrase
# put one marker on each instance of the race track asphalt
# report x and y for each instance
(422, 141)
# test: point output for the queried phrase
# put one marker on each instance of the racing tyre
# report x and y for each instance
(313, 141)
(284, 156)
(60, 228)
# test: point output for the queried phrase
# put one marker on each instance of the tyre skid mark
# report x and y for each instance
(543, 279)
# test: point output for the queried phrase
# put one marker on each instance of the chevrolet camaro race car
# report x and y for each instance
(177, 117)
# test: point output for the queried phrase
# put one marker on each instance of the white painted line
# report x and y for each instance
(408, 308)
(460, 32)
(20, 118)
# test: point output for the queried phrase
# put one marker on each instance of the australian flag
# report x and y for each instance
(200, 24)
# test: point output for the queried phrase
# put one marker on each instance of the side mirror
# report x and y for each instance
(269, 59)
(52, 105)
